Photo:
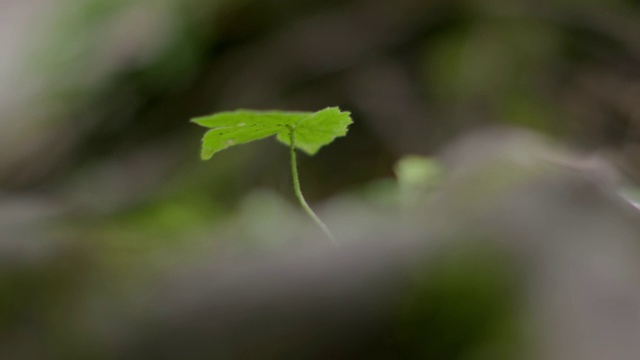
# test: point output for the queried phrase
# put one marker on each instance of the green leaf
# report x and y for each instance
(312, 129)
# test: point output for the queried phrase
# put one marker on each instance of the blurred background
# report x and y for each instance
(96, 145)
(97, 95)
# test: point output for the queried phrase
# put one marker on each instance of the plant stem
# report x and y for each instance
(298, 191)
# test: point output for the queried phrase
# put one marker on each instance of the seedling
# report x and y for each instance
(307, 131)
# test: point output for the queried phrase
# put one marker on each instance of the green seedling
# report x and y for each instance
(307, 131)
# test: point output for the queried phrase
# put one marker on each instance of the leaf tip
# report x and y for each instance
(198, 120)
(206, 153)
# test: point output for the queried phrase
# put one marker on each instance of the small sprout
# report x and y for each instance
(307, 131)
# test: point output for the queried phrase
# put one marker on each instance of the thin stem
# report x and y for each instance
(296, 189)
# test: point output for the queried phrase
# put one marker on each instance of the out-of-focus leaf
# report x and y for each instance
(418, 171)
